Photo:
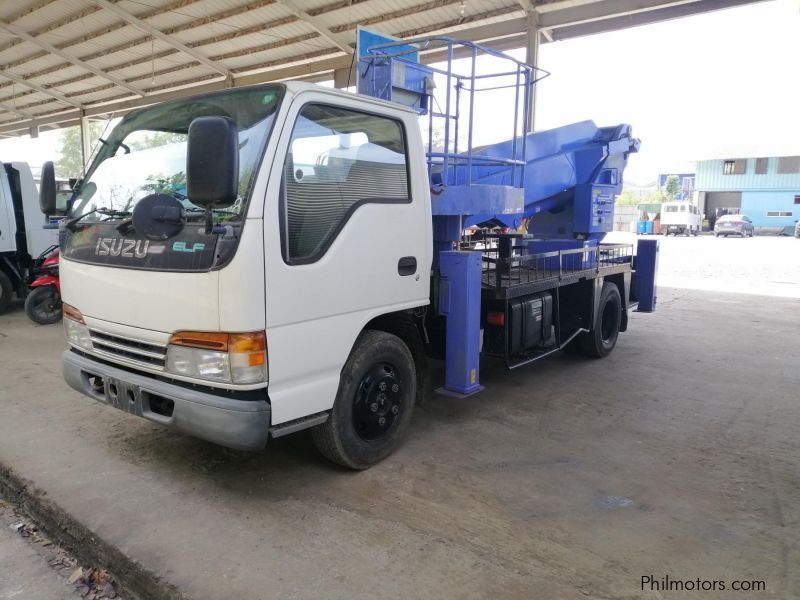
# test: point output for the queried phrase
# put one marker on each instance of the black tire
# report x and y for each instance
(43, 305)
(602, 338)
(6, 291)
(378, 382)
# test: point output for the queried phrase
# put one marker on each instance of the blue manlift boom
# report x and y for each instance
(539, 278)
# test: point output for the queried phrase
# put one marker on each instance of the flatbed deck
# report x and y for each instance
(517, 276)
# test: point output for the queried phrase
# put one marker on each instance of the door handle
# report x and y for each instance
(407, 265)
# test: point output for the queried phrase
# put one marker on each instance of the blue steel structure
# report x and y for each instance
(647, 267)
(561, 184)
(460, 302)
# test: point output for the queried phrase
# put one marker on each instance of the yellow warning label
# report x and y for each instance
(472, 376)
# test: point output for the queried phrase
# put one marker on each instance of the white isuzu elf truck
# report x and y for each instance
(288, 258)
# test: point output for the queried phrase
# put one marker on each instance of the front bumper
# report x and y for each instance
(238, 424)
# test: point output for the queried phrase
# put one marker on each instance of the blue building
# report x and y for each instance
(765, 189)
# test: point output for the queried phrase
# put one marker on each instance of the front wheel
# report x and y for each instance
(43, 305)
(602, 338)
(374, 404)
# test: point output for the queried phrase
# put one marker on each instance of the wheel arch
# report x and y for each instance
(405, 325)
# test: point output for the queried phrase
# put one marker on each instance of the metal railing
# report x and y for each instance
(556, 266)
(454, 109)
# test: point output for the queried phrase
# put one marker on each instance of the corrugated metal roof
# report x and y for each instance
(101, 46)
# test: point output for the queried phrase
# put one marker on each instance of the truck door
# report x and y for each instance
(347, 238)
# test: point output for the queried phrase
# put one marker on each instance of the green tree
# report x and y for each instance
(628, 197)
(156, 139)
(672, 187)
(70, 162)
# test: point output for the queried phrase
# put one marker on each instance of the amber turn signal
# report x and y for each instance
(243, 343)
(70, 312)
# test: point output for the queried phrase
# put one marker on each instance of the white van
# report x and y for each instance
(680, 217)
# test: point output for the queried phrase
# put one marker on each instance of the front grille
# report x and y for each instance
(131, 351)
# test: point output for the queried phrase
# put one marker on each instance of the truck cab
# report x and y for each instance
(243, 331)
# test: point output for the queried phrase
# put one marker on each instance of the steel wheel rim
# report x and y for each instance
(378, 403)
(48, 306)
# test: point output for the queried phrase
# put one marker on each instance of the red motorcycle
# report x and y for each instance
(43, 303)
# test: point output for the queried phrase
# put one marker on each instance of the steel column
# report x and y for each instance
(532, 58)
(85, 148)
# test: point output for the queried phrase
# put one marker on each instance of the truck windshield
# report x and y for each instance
(146, 152)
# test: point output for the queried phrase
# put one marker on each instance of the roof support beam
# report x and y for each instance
(525, 5)
(21, 33)
(598, 11)
(336, 39)
(152, 31)
(39, 88)
(19, 113)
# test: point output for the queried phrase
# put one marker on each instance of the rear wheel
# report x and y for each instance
(43, 305)
(374, 404)
(6, 291)
(602, 338)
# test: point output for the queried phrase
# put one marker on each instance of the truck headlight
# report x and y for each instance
(219, 356)
(75, 328)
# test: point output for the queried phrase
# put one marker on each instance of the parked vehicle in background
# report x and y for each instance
(680, 218)
(733, 225)
(43, 303)
(24, 232)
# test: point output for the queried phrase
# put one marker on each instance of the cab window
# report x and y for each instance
(338, 160)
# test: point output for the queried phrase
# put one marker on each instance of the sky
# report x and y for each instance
(721, 85)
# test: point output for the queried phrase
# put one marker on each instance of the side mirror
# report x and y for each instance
(212, 162)
(47, 189)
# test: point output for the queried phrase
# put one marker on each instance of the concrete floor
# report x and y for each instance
(763, 265)
(676, 456)
(24, 574)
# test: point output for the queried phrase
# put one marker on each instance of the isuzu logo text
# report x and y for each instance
(119, 247)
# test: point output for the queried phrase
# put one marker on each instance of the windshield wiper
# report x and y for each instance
(106, 212)
(199, 212)
(112, 212)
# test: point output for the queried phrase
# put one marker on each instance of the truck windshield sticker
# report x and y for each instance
(182, 247)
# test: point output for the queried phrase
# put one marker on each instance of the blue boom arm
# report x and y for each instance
(572, 176)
